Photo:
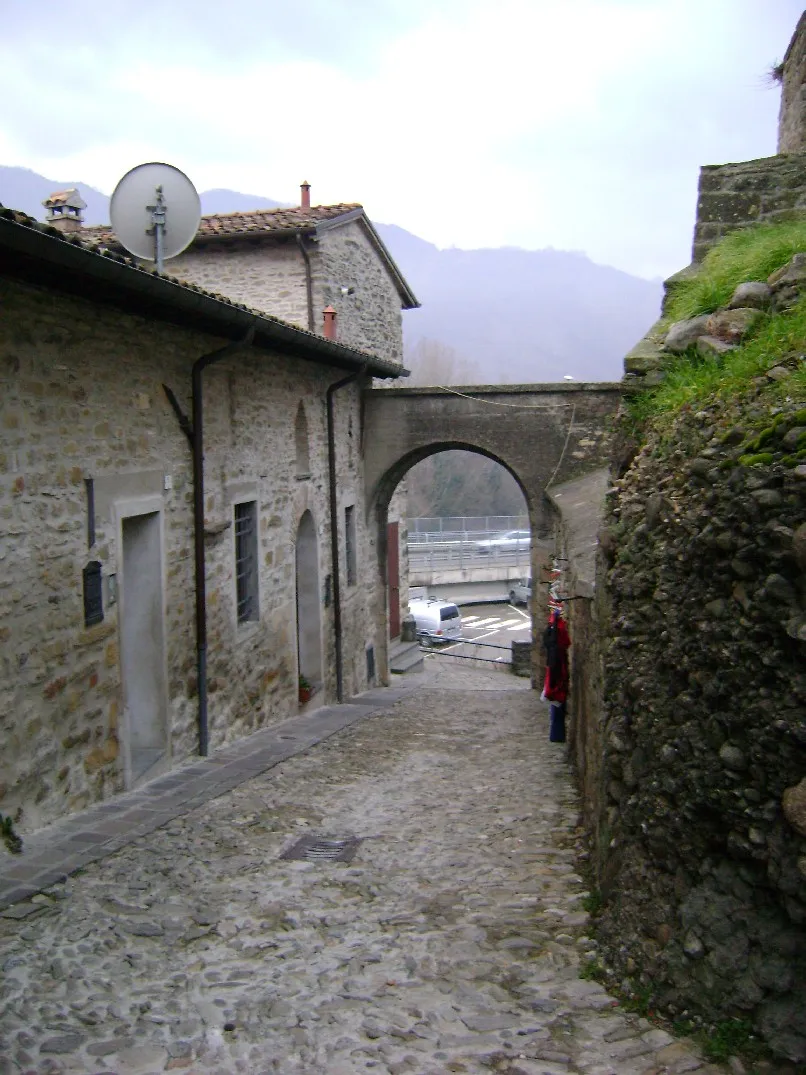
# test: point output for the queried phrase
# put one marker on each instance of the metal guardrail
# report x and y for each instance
(431, 647)
(466, 524)
(459, 549)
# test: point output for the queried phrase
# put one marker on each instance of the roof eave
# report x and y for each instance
(44, 257)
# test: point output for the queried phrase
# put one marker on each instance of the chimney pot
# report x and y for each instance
(64, 211)
(305, 192)
(329, 323)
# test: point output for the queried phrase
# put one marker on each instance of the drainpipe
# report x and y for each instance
(198, 525)
(306, 257)
(334, 527)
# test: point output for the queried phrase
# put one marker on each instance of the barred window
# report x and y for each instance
(349, 541)
(246, 585)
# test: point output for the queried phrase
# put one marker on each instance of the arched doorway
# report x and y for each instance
(309, 618)
(470, 534)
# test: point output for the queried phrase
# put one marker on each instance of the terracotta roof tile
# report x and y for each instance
(255, 222)
(60, 196)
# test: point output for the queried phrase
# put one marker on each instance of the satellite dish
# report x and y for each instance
(155, 212)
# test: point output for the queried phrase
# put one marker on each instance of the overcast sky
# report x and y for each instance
(575, 124)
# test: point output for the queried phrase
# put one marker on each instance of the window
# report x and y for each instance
(246, 561)
(349, 539)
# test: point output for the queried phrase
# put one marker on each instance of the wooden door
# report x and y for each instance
(393, 575)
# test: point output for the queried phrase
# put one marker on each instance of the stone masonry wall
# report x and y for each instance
(701, 838)
(263, 274)
(270, 276)
(81, 397)
(370, 318)
(734, 196)
(792, 116)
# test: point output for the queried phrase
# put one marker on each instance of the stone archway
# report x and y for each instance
(539, 511)
(545, 435)
(309, 614)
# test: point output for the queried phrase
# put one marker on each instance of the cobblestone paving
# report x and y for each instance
(450, 943)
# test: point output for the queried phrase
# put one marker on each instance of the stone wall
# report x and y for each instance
(734, 196)
(263, 274)
(550, 433)
(701, 828)
(81, 397)
(792, 116)
(580, 505)
(370, 318)
(270, 276)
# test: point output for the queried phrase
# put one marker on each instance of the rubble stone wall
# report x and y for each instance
(271, 276)
(265, 275)
(369, 318)
(701, 827)
(81, 397)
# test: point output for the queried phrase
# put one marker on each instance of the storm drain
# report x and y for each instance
(323, 849)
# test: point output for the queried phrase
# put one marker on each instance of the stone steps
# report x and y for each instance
(405, 657)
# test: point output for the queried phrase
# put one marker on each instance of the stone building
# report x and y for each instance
(792, 73)
(163, 584)
(294, 263)
(316, 267)
(771, 189)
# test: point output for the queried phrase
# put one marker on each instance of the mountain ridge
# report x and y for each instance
(514, 315)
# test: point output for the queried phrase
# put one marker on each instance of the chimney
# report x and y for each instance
(329, 323)
(64, 211)
(305, 195)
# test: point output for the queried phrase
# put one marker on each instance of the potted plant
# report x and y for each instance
(305, 690)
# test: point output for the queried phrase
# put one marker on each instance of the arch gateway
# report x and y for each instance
(547, 436)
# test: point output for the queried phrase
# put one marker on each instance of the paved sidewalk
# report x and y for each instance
(53, 853)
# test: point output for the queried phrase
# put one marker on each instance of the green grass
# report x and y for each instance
(748, 254)
(639, 1001)
(728, 1038)
(9, 837)
(722, 1040)
(593, 902)
(691, 378)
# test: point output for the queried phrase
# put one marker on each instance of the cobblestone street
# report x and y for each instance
(450, 943)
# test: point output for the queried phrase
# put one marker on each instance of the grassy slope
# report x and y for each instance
(779, 340)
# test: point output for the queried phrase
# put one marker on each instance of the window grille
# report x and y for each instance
(246, 561)
(349, 540)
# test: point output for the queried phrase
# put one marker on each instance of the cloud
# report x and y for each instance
(579, 125)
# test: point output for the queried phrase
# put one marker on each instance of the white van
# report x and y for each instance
(437, 620)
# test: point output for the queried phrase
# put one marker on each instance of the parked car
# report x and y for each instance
(520, 591)
(509, 541)
(437, 620)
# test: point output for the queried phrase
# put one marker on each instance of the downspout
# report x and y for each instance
(334, 527)
(306, 257)
(197, 444)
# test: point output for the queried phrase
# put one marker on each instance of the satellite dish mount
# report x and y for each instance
(139, 212)
(158, 213)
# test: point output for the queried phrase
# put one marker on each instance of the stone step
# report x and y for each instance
(405, 657)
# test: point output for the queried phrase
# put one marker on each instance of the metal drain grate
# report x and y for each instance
(323, 849)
